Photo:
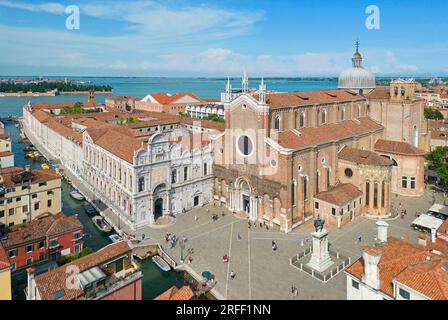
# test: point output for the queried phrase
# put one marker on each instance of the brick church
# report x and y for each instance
(285, 158)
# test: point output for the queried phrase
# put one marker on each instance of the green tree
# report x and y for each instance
(433, 114)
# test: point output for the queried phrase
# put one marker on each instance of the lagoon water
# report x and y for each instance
(140, 87)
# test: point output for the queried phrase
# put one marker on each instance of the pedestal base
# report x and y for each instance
(320, 259)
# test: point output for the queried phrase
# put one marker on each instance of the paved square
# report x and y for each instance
(262, 273)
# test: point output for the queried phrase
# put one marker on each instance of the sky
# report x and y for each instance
(154, 38)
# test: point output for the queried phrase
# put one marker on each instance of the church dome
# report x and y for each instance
(357, 77)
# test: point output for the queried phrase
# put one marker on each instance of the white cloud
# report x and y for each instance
(408, 67)
(50, 7)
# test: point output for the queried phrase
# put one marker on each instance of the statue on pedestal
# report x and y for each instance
(319, 224)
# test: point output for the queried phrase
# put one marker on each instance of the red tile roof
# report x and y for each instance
(185, 293)
(285, 99)
(340, 194)
(326, 133)
(363, 157)
(47, 226)
(56, 280)
(396, 147)
(36, 176)
(400, 257)
(118, 141)
(165, 98)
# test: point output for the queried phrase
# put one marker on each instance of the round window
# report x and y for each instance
(244, 106)
(348, 173)
(245, 145)
(273, 163)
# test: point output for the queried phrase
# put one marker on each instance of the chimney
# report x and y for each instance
(433, 235)
(30, 288)
(382, 231)
(371, 276)
(423, 240)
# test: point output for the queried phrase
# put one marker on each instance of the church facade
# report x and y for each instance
(284, 157)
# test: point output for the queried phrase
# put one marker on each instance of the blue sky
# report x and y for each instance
(220, 38)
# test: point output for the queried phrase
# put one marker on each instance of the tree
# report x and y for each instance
(433, 114)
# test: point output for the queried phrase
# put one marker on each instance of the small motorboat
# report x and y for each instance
(90, 210)
(101, 224)
(115, 238)
(29, 155)
(45, 166)
(75, 194)
(162, 264)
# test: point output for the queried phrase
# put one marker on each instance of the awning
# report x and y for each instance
(439, 208)
(427, 221)
(91, 276)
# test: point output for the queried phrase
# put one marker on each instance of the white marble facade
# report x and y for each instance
(164, 179)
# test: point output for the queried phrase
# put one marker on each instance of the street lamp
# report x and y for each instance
(182, 247)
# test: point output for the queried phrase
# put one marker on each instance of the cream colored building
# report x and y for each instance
(5, 275)
(26, 194)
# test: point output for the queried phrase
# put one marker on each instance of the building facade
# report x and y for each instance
(45, 239)
(26, 194)
(107, 274)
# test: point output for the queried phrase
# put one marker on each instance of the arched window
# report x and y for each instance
(317, 181)
(375, 194)
(367, 193)
(305, 188)
(328, 178)
(302, 120)
(324, 117)
(415, 136)
(141, 184)
(343, 114)
(277, 122)
(293, 192)
(403, 91)
(358, 112)
(383, 194)
(395, 91)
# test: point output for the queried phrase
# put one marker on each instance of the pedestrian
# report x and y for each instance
(405, 212)
(248, 224)
(195, 218)
(261, 225)
(232, 274)
(239, 237)
(267, 227)
(189, 259)
(222, 213)
(143, 236)
(184, 239)
(274, 246)
(359, 239)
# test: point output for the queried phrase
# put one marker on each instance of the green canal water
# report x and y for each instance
(154, 281)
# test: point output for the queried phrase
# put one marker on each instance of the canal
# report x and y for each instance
(154, 281)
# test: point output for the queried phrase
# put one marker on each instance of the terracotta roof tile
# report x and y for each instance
(285, 99)
(363, 157)
(326, 133)
(340, 195)
(47, 226)
(399, 257)
(396, 147)
(185, 293)
(36, 176)
(56, 279)
(379, 93)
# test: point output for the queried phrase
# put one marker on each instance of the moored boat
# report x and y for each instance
(115, 238)
(75, 194)
(101, 224)
(162, 264)
(90, 210)
(45, 166)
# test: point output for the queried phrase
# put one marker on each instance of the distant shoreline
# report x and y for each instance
(50, 94)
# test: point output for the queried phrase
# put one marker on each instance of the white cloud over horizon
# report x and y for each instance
(165, 39)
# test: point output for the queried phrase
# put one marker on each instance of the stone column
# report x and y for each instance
(320, 258)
